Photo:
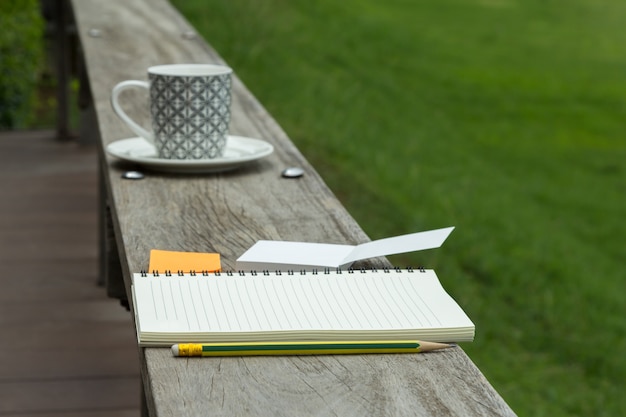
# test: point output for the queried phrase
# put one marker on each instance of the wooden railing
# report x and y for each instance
(227, 213)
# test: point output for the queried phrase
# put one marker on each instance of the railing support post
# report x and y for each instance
(63, 69)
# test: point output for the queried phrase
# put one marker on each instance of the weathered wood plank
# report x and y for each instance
(62, 362)
(72, 395)
(67, 350)
(227, 213)
(85, 413)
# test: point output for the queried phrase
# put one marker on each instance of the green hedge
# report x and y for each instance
(21, 52)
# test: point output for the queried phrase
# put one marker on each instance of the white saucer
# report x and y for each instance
(239, 150)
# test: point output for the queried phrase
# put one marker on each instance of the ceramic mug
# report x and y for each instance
(189, 106)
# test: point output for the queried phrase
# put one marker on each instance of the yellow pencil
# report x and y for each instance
(304, 348)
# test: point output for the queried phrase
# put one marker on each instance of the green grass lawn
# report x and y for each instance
(504, 118)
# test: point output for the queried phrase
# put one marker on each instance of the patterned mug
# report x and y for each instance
(189, 106)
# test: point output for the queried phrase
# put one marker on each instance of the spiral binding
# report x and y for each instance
(265, 272)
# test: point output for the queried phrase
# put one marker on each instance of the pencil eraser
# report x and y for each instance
(175, 350)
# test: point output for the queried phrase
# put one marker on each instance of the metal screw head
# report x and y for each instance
(133, 175)
(293, 172)
(189, 35)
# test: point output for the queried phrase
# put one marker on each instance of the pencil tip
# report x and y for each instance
(428, 346)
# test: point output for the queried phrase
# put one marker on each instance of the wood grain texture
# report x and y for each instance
(227, 213)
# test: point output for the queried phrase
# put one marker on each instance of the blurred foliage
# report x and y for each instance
(21, 55)
(504, 118)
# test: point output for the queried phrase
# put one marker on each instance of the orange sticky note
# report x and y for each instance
(164, 260)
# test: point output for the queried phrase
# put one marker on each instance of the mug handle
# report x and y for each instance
(122, 114)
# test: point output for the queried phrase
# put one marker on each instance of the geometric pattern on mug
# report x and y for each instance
(190, 115)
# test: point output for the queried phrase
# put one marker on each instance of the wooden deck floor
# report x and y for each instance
(65, 348)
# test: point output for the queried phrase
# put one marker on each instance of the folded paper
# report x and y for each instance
(282, 255)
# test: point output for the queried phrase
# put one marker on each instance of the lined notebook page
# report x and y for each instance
(346, 306)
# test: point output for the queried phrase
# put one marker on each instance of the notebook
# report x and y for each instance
(329, 305)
